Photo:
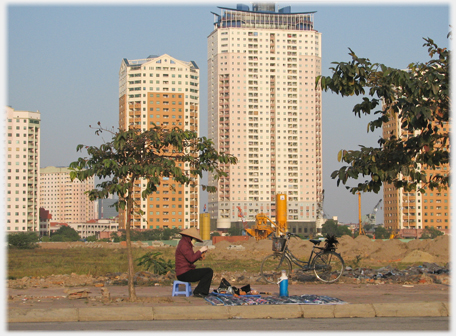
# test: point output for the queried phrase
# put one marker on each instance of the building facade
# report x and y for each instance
(45, 222)
(164, 91)
(105, 208)
(95, 227)
(415, 210)
(66, 200)
(23, 169)
(263, 108)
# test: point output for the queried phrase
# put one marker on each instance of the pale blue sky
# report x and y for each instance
(63, 60)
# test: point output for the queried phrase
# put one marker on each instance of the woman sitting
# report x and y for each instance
(185, 259)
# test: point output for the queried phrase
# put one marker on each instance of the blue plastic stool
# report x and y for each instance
(187, 291)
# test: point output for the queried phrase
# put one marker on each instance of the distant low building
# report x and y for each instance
(55, 226)
(45, 222)
(95, 227)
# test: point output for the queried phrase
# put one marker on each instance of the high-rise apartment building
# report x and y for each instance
(23, 168)
(66, 200)
(164, 91)
(415, 210)
(264, 108)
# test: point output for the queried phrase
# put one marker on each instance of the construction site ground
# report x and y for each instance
(421, 290)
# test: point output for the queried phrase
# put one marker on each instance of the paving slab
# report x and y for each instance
(156, 302)
(266, 311)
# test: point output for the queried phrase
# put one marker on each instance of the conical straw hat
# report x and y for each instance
(192, 232)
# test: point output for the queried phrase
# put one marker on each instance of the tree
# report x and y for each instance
(132, 155)
(331, 227)
(23, 240)
(431, 233)
(234, 231)
(65, 233)
(382, 233)
(419, 98)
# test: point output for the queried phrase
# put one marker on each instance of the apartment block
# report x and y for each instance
(415, 210)
(263, 108)
(65, 200)
(22, 170)
(164, 91)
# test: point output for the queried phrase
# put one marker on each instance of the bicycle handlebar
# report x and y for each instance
(292, 234)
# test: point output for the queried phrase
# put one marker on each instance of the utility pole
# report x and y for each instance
(361, 229)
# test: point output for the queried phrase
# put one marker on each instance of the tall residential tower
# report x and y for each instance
(263, 108)
(66, 200)
(23, 171)
(415, 210)
(164, 91)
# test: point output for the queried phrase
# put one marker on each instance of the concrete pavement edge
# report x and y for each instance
(416, 309)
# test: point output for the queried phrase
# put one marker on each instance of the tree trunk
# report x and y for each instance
(131, 270)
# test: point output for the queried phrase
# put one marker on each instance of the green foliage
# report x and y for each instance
(45, 239)
(152, 234)
(215, 233)
(91, 238)
(115, 238)
(133, 157)
(431, 233)
(419, 98)
(356, 261)
(151, 262)
(234, 231)
(23, 240)
(331, 227)
(65, 233)
(151, 155)
(382, 233)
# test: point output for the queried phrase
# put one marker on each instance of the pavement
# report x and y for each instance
(156, 303)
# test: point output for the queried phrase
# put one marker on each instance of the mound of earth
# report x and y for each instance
(361, 248)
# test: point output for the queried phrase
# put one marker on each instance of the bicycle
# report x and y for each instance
(325, 262)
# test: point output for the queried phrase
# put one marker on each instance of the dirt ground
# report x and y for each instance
(362, 248)
(359, 253)
(367, 251)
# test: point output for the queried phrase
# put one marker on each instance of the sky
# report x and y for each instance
(62, 59)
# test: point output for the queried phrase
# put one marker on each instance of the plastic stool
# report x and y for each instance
(187, 291)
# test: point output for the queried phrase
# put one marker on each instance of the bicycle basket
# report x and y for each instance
(278, 244)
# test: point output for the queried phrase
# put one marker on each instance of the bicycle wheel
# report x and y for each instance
(272, 266)
(328, 266)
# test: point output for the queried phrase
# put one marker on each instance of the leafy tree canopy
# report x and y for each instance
(331, 227)
(419, 98)
(382, 233)
(150, 155)
(234, 231)
(23, 240)
(431, 233)
(65, 233)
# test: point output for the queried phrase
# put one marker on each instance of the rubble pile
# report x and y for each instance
(424, 274)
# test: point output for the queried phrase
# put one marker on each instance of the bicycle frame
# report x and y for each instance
(304, 265)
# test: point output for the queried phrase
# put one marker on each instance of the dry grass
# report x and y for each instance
(99, 261)
(45, 262)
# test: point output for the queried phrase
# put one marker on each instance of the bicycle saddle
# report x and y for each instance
(315, 241)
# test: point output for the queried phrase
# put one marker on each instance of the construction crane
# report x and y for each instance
(361, 229)
(262, 229)
(321, 213)
(371, 218)
(241, 215)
